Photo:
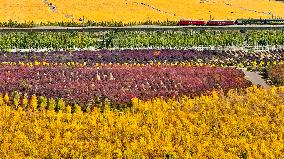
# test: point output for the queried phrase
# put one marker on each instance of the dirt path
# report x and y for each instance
(53, 8)
(255, 78)
(154, 8)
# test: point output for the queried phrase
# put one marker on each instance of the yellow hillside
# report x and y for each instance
(137, 10)
(27, 10)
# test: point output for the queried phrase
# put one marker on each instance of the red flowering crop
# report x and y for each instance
(119, 83)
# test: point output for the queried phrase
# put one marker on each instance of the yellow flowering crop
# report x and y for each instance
(134, 11)
(238, 125)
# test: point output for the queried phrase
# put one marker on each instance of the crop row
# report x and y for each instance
(253, 60)
(15, 24)
(118, 83)
(130, 39)
(239, 125)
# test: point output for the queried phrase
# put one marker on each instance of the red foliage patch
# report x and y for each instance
(119, 83)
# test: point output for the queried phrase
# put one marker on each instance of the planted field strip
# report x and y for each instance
(119, 83)
(253, 60)
(209, 126)
(127, 11)
(257, 48)
(108, 40)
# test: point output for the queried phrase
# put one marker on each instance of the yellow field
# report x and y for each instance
(142, 10)
(236, 126)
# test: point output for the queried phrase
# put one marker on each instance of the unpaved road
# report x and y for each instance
(255, 78)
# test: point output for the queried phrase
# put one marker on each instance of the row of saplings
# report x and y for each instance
(34, 103)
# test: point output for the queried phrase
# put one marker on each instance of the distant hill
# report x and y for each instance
(136, 10)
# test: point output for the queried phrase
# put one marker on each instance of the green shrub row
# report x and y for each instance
(135, 39)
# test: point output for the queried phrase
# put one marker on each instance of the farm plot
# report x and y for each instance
(139, 40)
(126, 11)
(252, 60)
(238, 125)
(118, 83)
(121, 101)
